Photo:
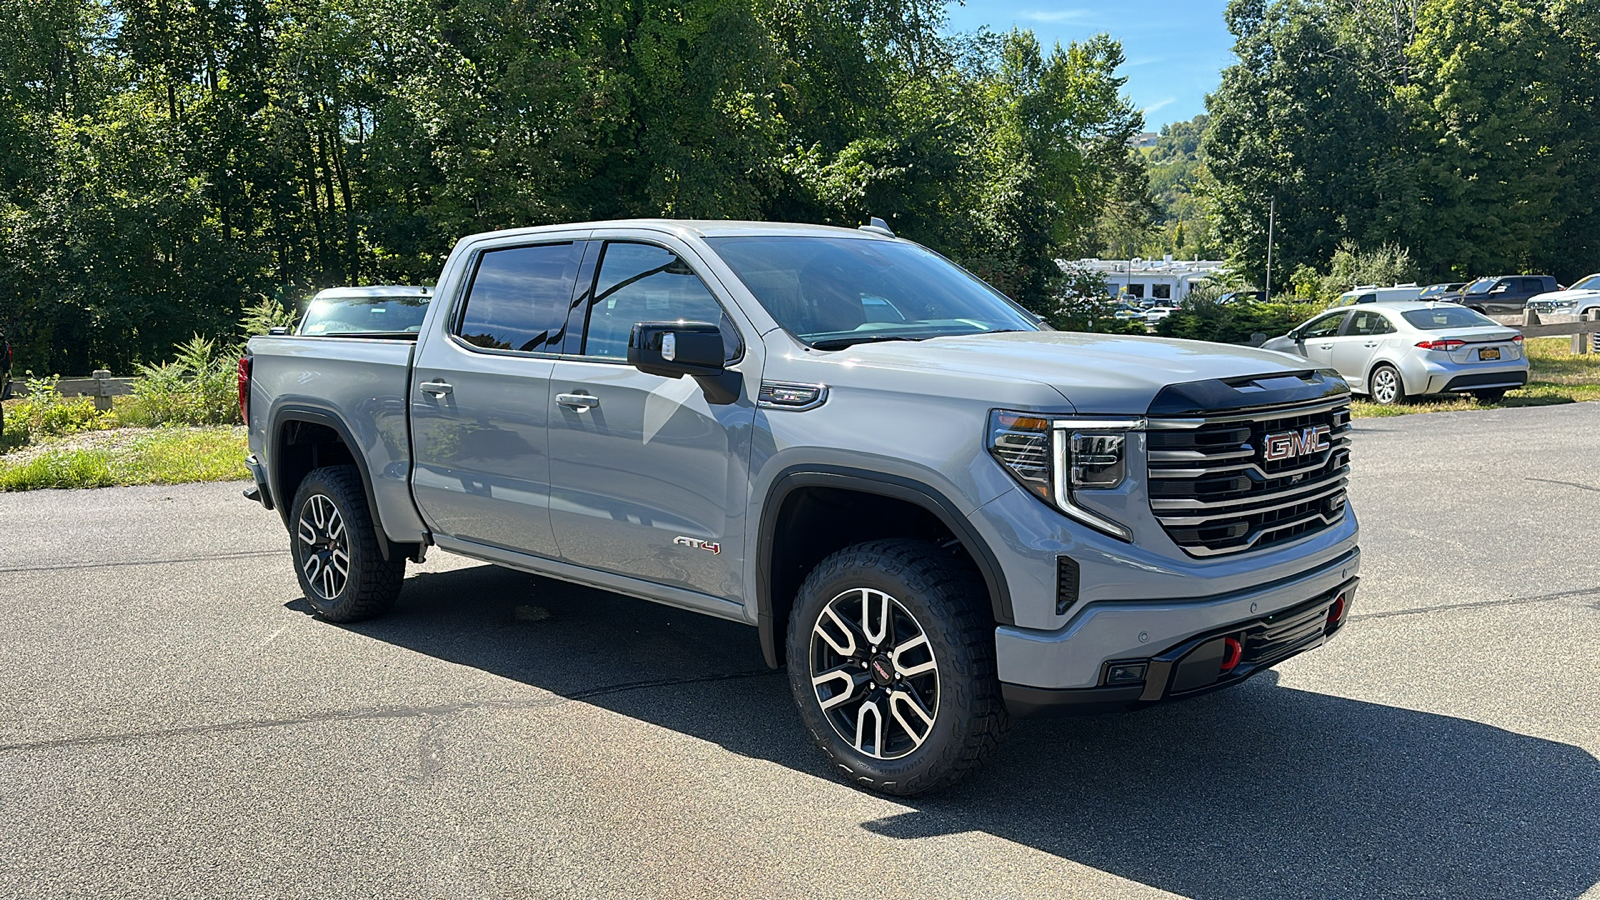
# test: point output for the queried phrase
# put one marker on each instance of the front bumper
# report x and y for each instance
(1183, 645)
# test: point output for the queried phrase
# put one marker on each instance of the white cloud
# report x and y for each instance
(1054, 15)
(1158, 105)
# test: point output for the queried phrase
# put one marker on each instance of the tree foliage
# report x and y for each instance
(1467, 131)
(169, 164)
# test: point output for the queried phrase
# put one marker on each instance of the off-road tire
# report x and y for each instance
(373, 583)
(1373, 388)
(950, 604)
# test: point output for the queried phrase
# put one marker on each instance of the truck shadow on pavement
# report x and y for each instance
(1262, 791)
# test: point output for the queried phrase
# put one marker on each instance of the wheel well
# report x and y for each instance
(814, 522)
(302, 447)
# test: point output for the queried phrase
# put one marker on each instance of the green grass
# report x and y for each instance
(160, 456)
(1556, 376)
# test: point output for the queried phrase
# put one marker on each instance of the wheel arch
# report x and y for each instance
(775, 579)
(287, 470)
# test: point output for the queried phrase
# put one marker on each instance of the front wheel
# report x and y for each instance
(336, 554)
(1385, 387)
(891, 661)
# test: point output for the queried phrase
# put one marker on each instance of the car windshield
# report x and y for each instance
(1480, 286)
(1441, 317)
(1592, 283)
(834, 292)
(365, 315)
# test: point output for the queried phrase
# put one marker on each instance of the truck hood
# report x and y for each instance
(1097, 373)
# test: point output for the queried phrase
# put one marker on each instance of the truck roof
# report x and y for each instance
(704, 228)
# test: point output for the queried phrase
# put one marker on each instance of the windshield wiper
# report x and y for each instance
(843, 342)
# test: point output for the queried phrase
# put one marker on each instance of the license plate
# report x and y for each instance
(1488, 352)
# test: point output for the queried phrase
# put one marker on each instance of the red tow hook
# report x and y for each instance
(1336, 613)
(1232, 651)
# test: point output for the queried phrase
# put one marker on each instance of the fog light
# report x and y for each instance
(1125, 673)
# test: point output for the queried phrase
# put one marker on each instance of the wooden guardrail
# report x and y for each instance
(100, 385)
(1580, 329)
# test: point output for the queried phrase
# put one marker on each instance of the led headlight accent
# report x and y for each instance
(1057, 458)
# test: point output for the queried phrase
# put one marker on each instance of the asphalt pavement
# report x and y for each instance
(174, 722)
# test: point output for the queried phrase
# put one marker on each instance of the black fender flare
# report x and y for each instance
(866, 482)
(315, 415)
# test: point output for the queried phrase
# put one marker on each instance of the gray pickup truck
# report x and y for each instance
(937, 512)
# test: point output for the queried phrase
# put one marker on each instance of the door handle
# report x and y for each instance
(1324, 346)
(1370, 344)
(436, 388)
(579, 402)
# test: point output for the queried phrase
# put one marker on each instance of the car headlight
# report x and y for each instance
(1062, 459)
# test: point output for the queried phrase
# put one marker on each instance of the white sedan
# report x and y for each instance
(1574, 301)
(1392, 351)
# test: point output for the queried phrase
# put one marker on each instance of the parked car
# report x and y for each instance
(1242, 297)
(1448, 290)
(1157, 313)
(1395, 351)
(1400, 293)
(1575, 301)
(1503, 294)
(1124, 311)
(380, 309)
(936, 520)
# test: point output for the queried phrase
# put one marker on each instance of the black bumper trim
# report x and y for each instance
(1486, 380)
(1268, 640)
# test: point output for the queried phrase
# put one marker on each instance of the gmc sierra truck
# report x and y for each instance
(937, 512)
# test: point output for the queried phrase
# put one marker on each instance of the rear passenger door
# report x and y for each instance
(649, 475)
(480, 395)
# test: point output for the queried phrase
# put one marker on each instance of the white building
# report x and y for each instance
(1163, 281)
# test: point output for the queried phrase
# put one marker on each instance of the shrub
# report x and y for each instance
(1204, 319)
(196, 388)
(45, 413)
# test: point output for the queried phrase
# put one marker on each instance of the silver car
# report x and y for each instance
(1392, 351)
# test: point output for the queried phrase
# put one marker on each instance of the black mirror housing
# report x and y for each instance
(676, 349)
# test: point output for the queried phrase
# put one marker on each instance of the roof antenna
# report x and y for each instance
(878, 226)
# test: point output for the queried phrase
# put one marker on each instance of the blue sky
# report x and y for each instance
(1176, 49)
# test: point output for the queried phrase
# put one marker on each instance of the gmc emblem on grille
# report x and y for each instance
(1289, 444)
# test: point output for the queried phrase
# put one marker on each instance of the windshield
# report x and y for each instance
(1441, 317)
(1481, 286)
(834, 292)
(1592, 283)
(365, 315)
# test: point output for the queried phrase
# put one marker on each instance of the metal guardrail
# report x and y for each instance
(100, 385)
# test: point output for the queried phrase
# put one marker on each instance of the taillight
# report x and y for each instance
(244, 389)
(1517, 339)
(1446, 346)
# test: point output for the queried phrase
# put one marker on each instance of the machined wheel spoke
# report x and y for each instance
(340, 562)
(909, 670)
(847, 677)
(875, 734)
(920, 724)
(877, 616)
(306, 532)
(830, 634)
(325, 548)
(313, 566)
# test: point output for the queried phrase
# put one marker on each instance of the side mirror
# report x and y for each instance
(1498, 289)
(675, 349)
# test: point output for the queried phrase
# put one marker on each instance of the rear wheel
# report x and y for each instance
(336, 553)
(1492, 395)
(1385, 387)
(891, 661)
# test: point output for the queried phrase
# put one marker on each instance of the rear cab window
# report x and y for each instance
(518, 297)
(376, 314)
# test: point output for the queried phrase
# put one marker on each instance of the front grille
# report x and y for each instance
(1214, 491)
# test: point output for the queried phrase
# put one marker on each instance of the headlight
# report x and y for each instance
(1059, 459)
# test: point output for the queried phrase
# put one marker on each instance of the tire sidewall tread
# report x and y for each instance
(374, 583)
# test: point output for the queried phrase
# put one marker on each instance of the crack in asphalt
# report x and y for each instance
(243, 554)
(1586, 487)
(380, 712)
(1476, 604)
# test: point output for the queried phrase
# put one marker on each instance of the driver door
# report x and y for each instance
(1317, 337)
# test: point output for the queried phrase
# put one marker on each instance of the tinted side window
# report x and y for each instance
(644, 283)
(1532, 285)
(518, 298)
(1327, 326)
(1369, 323)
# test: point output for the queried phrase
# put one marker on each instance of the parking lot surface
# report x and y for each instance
(175, 722)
